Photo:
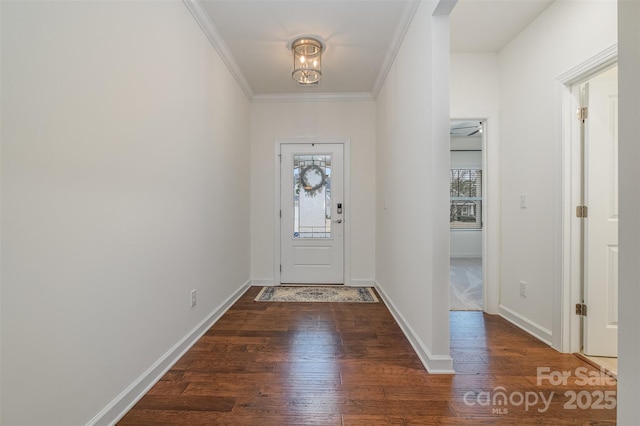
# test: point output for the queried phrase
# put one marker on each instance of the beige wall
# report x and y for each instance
(278, 120)
(629, 267)
(125, 144)
(412, 231)
(564, 36)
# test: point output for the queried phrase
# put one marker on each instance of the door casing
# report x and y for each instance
(490, 214)
(346, 143)
(567, 326)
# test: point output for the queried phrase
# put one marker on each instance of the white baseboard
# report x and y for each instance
(526, 324)
(117, 408)
(362, 282)
(263, 282)
(435, 364)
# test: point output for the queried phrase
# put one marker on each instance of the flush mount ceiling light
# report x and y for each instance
(307, 60)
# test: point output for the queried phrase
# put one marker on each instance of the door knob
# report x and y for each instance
(338, 221)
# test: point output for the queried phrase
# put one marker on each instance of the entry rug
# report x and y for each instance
(317, 294)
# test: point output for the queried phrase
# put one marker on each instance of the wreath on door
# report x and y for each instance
(312, 178)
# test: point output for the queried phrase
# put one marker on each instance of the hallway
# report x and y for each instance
(465, 280)
(350, 364)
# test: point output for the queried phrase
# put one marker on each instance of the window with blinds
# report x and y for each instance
(466, 199)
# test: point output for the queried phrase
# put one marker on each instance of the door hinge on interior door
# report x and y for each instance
(582, 113)
(581, 309)
(581, 211)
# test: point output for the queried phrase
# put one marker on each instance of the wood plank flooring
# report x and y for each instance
(268, 363)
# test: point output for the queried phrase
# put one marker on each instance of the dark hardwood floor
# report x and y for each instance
(273, 363)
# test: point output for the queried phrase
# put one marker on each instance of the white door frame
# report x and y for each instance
(346, 143)
(567, 326)
(490, 215)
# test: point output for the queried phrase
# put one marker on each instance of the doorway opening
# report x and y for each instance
(466, 215)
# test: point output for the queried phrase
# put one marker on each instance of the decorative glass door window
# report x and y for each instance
(312, 196)
(465, 210)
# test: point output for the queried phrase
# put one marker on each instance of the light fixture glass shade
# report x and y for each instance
(307, 60)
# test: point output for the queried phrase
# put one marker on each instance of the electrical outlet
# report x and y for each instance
(193, 298)
(523, 289)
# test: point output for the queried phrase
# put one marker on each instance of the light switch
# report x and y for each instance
(523, 201)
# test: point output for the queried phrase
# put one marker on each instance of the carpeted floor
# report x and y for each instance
(465, 278)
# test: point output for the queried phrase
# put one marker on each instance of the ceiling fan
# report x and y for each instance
(466, 129)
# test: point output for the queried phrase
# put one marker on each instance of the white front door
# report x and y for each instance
(601, 226)
(312, 213)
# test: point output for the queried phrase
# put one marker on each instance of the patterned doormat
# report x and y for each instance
(317, 294)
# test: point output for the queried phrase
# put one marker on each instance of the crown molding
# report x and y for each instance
(314, 97)
(396, 42)
(444, 7)
(202, 18)
(591, 66)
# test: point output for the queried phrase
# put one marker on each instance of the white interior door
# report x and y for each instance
(601, 226)
(312, 213)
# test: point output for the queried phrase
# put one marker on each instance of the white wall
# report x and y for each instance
(474, 85)
(468, 159)
(564, 36)
(466, 242)
(412, 246)
(629, 266)
(281, 120)
(125, 144)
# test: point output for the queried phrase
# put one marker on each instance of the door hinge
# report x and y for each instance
(581, 309)
(582, 113)
(280, 213)
(280, 268)
(581, 211)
